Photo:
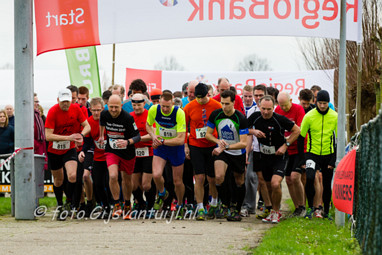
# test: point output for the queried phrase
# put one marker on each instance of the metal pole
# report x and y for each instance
(359, 87)
(113, 70)
(340, 216)
(25, 186)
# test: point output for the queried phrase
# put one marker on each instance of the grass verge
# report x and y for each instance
(303, 236)
(5, 204)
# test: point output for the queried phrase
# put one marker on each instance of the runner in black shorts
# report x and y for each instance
(60, 128)
(232, 129)
(199, 149)
(269, 128)
(143, 175)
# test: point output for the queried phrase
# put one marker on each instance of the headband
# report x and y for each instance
(137, 101)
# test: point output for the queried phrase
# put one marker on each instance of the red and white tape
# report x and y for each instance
(14, 154)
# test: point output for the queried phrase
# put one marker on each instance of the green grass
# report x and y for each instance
(303, 236)
(5, 204)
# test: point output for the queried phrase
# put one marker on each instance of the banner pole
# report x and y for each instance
(113, 69)
(359, 87)
(340, 216)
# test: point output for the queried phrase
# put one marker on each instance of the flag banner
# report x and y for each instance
(292, 82)
(343, 184)
(62, 24)
(83, 69)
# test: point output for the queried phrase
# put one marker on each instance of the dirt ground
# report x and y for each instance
(155, 236)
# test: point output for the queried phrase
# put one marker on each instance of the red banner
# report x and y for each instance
(343, 184)
(152, 78)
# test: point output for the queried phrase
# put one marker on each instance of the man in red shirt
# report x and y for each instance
(295, 113)
(61, 129)
(223, 84)
(143, 174)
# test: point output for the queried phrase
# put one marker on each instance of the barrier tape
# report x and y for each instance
(17, 151)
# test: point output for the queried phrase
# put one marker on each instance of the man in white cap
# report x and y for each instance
(60, 126)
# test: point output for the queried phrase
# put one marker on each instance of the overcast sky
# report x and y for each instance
(199, 54)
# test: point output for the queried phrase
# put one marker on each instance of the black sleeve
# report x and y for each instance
(213, 116)
(88, 141)
(285, 122)
(133, 131)
(300, 148)
(333, 159)
(252, 119)
(243, 120)
(102, 120)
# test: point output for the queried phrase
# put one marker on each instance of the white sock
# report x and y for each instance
(200, 206)
(214, 202)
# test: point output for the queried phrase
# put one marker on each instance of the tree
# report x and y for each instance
(254, 63)
(323, 54)
(169, 64)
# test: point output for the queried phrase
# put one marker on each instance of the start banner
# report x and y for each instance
(62, 24)
(292, 82)
(343, 183)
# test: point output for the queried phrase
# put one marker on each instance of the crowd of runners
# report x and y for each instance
(200, 153)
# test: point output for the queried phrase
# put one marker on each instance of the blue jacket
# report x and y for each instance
(7, 139)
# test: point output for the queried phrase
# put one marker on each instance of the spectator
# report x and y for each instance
(7, 135)
(11, 117)
(39, 130)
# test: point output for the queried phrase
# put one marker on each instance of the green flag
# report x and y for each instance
(83, 69)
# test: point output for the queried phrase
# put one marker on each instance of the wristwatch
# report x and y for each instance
(287, 144)
(162, 141)
(227, 147)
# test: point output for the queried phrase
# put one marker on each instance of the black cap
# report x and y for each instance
(201, 90)
(323, 96)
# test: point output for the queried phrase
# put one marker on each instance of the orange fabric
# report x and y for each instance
(196, 118)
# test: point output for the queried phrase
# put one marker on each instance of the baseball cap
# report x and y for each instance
(64, 95)
(155, 93)
(201, 90)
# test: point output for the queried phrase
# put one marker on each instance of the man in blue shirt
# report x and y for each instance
(136, 86)
(190, 93)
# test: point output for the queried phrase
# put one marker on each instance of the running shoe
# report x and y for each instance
(159, 201)
(234, 216)
(62, 213)
(327, 216)
(212, 212)
(309, 213)
(244, 212)
(260, 205)
(200, 215)
(117, 210)
(222, 212)
(180, 212)
(263, 215)
(127, 212)
(296, 213)
(276, 217)
(269, 218)
(318, 214)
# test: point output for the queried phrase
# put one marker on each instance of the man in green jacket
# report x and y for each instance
(320, 124)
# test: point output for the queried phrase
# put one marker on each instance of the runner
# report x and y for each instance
(295, 113)
(231, 126)
(99, 171)
(269, 128)
(168, 143)
(223, 84)
(199, 149)
(121, 135)
(142, 177)
(321, 125)
(248, 98)
(61, 129)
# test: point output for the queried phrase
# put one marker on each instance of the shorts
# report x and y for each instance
(124, 165)
(56, 162)
(175, 154)
(234, 162)
(320, 162)
(202, 160)
(271, 165)
(143, 165)
(88, 162)
(293, 165)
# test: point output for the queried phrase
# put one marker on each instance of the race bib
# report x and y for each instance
(113, 144)
(169, 133)
(61, 145)
(269, 150)
(142, 152)
(310, 164)
(201, 132)
(99, 145)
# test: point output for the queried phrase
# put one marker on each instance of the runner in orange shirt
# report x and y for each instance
(199, 149)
